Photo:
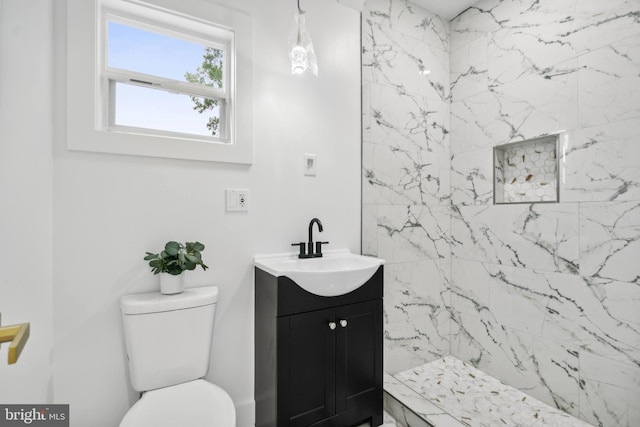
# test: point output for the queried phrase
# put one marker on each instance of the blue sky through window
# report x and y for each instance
(160, 55)
(152, 53)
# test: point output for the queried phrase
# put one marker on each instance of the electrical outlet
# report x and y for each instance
(237, 200)
(243, 200)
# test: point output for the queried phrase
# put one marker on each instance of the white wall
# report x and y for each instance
(107, 210)
(25, 194)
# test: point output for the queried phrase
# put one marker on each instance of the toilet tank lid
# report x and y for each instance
(155, 302)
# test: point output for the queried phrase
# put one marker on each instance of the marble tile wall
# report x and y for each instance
(406, 173)
(547, 297)
(543, 297)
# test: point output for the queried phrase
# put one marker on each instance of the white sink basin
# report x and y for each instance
(338, 272)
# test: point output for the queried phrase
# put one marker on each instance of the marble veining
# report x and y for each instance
(602, 163)
(415, 308)
(585, 314)
(471, 177)
(476, 399)
(393, 58)
(543, 297)
(413, 233)
(610, 241)
(529, 236)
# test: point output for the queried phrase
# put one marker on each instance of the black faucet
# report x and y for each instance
(310, 250)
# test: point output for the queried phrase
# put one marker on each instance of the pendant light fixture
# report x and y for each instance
(301, 53)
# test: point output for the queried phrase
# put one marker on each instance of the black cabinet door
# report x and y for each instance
(359, 355)
(308, 374)
(306, 368)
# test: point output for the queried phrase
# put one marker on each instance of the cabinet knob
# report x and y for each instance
(343, 323)
(332, 325)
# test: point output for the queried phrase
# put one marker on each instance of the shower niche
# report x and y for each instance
(526, 171)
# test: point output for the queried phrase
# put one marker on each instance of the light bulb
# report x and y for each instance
(299, 60)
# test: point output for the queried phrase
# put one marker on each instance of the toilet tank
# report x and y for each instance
(168, 337)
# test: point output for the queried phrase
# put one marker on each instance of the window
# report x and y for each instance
(166, 82)
(172, 81)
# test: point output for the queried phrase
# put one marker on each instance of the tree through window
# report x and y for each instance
(209, 73)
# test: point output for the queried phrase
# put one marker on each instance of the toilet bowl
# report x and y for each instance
(195, 404)
(168, 340)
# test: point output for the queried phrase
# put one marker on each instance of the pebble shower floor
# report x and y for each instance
(450, 393)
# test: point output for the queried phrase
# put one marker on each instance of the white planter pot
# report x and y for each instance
(170, 284)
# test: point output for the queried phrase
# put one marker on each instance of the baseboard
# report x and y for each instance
(246, 414)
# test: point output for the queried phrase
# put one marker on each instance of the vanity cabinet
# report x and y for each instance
(318, 360)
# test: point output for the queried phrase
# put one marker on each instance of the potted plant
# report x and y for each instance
(173, 261)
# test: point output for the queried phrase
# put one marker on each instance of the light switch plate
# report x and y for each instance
(237, 200)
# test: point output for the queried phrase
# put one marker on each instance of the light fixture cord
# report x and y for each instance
(300, 12)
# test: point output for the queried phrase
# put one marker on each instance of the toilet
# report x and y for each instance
(168, 340)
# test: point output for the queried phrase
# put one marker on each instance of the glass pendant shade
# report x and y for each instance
(301, 53)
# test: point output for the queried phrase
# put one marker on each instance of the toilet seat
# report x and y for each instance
(195, 403)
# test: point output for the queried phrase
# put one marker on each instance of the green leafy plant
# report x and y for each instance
(176, 258)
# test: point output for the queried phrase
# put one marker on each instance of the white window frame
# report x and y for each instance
(110, 76)
(89, 124)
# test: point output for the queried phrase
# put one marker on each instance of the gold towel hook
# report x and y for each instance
(18, 335)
